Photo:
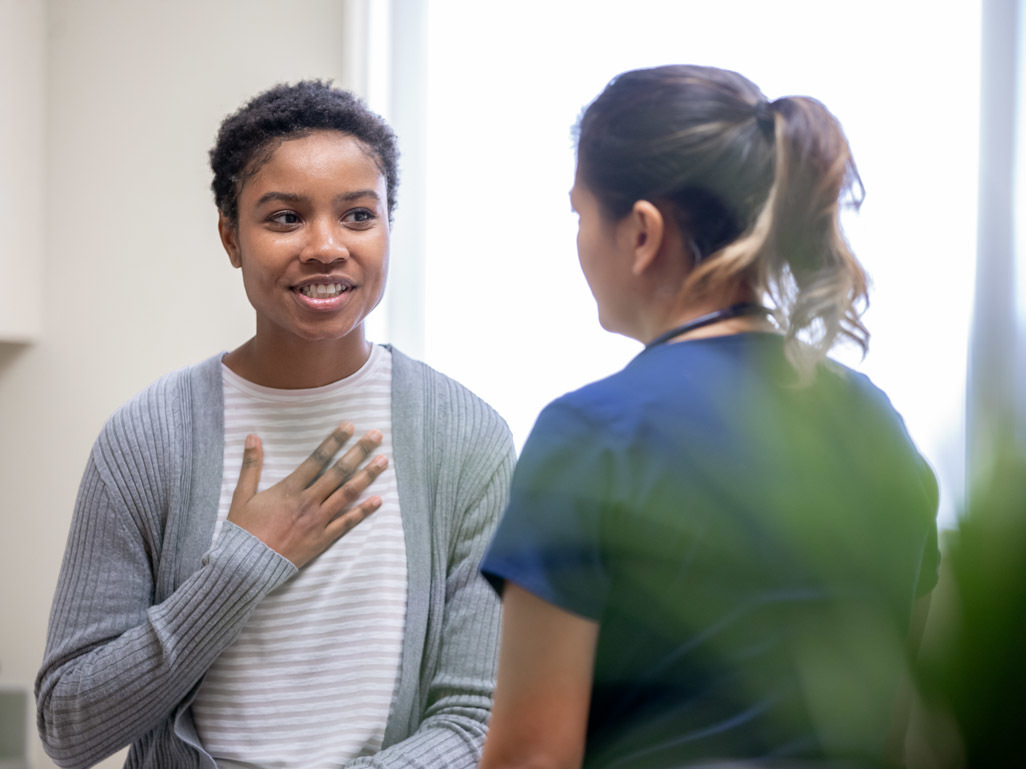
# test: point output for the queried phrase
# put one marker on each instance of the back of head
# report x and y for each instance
(756, 187)
(249, 136)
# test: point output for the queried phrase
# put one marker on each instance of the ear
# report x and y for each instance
(647, 232)
(229, 239)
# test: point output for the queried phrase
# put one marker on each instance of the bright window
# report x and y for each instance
(506, 309)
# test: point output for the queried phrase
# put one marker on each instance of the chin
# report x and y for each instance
(326, 335)
(612, 325)
(624, 330)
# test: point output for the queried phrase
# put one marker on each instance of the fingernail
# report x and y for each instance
(374, 435)
(380, 462)
(250, 441)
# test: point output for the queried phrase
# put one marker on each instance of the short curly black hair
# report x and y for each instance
(248, 137)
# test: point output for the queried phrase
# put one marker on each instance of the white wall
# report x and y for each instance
(22, 131)
(135, 283)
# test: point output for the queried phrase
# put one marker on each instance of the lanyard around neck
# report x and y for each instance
(734, 311)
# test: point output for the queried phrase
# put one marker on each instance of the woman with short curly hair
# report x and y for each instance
(227, 599)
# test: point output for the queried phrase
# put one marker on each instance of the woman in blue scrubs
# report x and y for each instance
(712, 556)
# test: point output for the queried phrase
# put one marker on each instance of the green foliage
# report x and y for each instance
(972, 669)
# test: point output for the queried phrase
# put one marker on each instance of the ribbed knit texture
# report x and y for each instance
(139, 616)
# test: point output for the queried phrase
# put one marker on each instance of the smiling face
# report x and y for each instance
(312, 241)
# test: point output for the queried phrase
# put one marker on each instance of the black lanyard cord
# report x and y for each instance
(734, 311)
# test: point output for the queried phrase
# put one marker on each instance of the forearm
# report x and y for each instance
(109, 676)
(452, 741)
(543, 693)
(494, 761)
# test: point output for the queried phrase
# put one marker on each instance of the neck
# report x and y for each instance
(299, 364)
(695, 309)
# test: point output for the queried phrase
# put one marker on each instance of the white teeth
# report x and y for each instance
(322, 290)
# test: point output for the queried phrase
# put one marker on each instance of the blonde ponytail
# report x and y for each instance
(756, 187)
(795, 252)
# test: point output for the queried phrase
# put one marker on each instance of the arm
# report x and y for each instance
(547, 556)
(929, 573)
(116, 666)
(461, 671)
(544, 687)
(904, 702)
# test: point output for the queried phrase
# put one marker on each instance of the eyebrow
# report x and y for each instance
(357, 194)
(291, 197)
(285, 197)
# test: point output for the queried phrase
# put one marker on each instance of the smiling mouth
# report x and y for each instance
(323, 290)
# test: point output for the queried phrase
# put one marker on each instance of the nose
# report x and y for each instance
(325, 243)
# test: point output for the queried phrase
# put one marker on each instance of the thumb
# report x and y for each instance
(249, 475)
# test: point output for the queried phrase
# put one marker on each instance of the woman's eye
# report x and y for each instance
(362, 216)
(285, 218)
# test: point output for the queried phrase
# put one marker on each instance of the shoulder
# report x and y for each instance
(890, 422)
(607, 410)
(877, 429)
(587, 413)
(449, 411)
(574, 447)
(842, 385)
(157, 415)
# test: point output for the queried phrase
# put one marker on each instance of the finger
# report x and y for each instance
(249, 474)
(345, 522)
(313, 465)
(346, 467)
(346, 494)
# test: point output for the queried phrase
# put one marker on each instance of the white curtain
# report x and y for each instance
(996, 402)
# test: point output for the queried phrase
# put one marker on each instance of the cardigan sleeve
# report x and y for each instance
(115, 664)
(460, 684)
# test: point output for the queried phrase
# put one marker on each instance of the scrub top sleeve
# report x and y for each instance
(549, 541)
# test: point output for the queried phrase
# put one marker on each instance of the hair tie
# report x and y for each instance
(765, 117)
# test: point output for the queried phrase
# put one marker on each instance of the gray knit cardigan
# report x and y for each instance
(144, 605)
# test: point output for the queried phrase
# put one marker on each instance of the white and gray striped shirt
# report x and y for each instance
(310, 680)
